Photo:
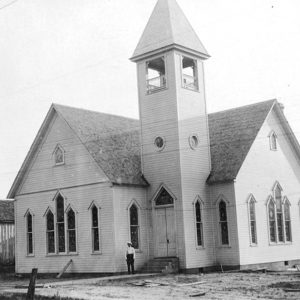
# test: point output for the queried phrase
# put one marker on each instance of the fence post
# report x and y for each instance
(31, 287)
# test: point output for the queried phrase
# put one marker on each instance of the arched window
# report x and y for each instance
(71, 230)
(252, 220)
(272, 220)
(199, 224)
(50, 232)
(163, 198)
(287, 221)
(60, 224)
(223, 223)
(279, 212)
(95, 229)
(134, 226)
(59, 155)
(273, 141)
(29, 226)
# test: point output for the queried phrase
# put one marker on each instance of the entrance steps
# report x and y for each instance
(161, 265)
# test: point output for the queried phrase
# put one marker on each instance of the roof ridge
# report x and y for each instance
(243, 106)
(92, 111)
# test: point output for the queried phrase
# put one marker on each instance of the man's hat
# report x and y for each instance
(129, 243)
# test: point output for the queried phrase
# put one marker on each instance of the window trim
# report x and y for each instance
(134, 202)
(58, 147)
(92, 205)
(250, 199)
(150, 92)
(197, 73)
(201, 202)
(273, 141)
(68, 208)
(219, 200)
(28, 211)
(45, 216)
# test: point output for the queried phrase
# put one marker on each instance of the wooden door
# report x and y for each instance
(165, 232)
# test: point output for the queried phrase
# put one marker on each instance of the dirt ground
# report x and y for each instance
(235, 285)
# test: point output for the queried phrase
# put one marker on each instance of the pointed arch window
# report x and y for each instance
(50, 232)
(71, 230)
(60, 224)
(273, 141)
(29, 233)
(223, 223)
(95, 229)
(287, 220)
(134, 225)
(163, 198)
(279, 217)
(252, 220)
(59, 155)
(199, 222)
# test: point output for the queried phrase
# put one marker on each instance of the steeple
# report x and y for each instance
(168, 28)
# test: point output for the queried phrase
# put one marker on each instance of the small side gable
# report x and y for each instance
(39, 170)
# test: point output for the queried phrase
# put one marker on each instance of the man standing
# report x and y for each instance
(130, 257)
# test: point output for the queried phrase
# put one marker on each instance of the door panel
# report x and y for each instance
(165, 232)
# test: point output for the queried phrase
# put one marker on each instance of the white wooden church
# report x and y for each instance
(208, 189)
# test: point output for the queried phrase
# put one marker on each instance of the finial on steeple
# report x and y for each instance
(168, 28)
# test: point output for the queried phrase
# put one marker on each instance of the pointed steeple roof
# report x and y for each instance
(168, 28)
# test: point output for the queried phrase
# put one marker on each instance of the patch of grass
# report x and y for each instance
(286, 285)
(15, 296)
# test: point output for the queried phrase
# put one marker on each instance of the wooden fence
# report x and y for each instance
(7, 243)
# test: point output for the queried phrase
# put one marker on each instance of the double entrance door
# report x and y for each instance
(165, 232)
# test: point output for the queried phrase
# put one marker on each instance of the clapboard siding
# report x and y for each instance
(267, 167)
(79, 167)
(123, 198)
(80, 199)
(7, 243)
(225, 255)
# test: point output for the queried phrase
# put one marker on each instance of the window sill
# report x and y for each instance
(156, 90)
(189, 89)
(200, 248)
(96, 253)
(253, 245)
(224, 246)
(61, 254)
(281, 244)
(30, 255)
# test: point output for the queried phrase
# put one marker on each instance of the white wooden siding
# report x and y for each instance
(80, 199)
(123, 198)
(261, 169)
(78, 169)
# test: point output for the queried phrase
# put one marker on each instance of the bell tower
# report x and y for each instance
(174, 129)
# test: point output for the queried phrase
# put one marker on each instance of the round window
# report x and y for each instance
(194, 142)
(159, 143)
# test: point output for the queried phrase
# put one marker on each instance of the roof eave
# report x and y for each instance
(142, 56)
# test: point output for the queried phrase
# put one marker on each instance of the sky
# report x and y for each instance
(76, 53)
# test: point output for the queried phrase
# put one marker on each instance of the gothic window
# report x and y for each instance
(29, 226)
(223, 223)
(164, 198)
(134, 226)
(59, 156)
(273, 141)
(95, 229)
(71, 230)
(156, 74)
(50, 232)
(199, 223)
(279, 217)
(252, 220)
(279, 213)
(287, 221)
(272, 220)
(60, 224)
(189, 73)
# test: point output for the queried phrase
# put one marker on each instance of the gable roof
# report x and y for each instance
(232, 132)
(113, 142)
(168, 27)
(6, 211)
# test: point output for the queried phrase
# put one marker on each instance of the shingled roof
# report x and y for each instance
(113, 142)
(6, 211)
(232, 133)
